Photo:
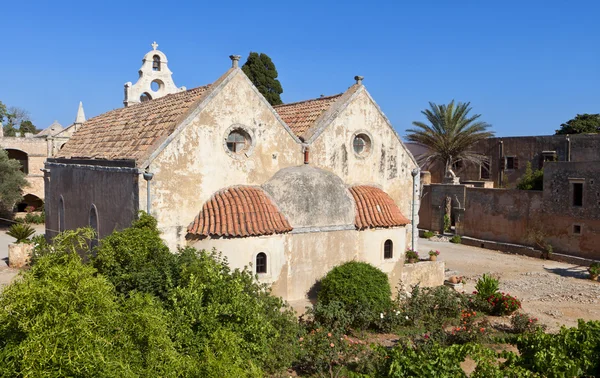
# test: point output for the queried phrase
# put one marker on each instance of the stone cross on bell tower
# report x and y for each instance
(155, 79)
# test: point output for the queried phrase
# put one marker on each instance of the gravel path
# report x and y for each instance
(556, 293)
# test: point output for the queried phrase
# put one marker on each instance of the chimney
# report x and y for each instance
(359, 79)
(235, 59)
(322, 95)
(306, 155)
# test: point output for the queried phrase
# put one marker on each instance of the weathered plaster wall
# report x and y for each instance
(501, 215)
(297, 261)
(197, 163)
(82, 186)
(432, 210)
(562, 216)
(388, 163)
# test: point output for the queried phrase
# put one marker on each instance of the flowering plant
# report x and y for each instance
(434, 253)
(412, 255)
(503, 304)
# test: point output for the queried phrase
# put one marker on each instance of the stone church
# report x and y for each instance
(291, 190)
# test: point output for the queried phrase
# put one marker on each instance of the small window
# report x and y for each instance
(577, 194)
(388, 249)
(577, 229)
(238, 141)
(156, 63)
(361, 144)
(484, 173)
(261, 263)
(510, 162)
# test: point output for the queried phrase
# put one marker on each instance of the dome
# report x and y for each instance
(311, 197)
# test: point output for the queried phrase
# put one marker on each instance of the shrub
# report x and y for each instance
(432, 308)
(470, 329)
(61, 319)
(434, 253)
(503, 304)
(428, 234)
(456, 239)
(486, 286)
(594, 269)
(447, 223)
(411, 255)
(523, 323)
(35, 218)
(362, 289)
(21, 232)
(531, 180)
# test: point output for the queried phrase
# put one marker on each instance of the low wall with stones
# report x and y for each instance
(423, 273)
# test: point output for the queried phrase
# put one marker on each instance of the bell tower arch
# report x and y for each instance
(155, 79)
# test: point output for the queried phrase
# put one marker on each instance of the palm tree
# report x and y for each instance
(449, 136)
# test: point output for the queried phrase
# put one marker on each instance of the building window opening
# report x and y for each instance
(577, 229)
(361, 144)
(21, 157)
(388, 249)
(261, 263)
(61, 215)
(485, 170)
(156, 63)
(94, 226)
(238, 141)
(510, 162)
(145, 97)
(577, 194)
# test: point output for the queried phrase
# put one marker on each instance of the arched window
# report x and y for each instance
(94, 226)
(388, 249)
(261, 263)
(156, 63)
(61, 215)
(145, 97)
(21, 157)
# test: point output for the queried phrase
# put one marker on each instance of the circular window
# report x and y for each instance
(361, 144)
(238, 141)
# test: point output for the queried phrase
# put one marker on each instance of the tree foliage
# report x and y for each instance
(531, 180)
(261, 70)
(582, 123)
(12, 181)
(449, 136)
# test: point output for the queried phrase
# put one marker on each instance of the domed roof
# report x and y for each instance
(311, 197)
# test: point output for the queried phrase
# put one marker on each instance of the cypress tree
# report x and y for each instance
(263, 74)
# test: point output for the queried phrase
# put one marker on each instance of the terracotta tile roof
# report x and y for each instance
(239, 211)
(375, 208)
(130, 132)
(301, 116)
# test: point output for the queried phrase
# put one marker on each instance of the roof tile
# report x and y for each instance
(301, 116)
(375, 208)
(239, 211)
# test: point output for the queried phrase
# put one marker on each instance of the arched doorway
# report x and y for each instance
(21, 156)
(30, 201)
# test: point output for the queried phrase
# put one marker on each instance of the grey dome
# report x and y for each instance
(311, 197)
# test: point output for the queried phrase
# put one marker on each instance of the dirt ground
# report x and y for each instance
(556, 293)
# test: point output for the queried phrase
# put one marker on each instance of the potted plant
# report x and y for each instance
(412, 256)
(20, 252)
(433, 255)
(594, 271)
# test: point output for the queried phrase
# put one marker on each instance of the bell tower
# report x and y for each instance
(155, 79)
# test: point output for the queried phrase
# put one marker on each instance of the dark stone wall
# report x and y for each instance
(112, 190)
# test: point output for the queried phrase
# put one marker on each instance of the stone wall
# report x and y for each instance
(37, 151)
(501, 215)
(424, 274)
(432, 210)
(83, 185)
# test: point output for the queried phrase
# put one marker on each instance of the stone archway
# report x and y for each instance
(30, 200)
(20, 156)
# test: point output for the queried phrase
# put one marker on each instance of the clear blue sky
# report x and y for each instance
(526, 66)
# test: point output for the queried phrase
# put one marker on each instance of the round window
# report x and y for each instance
(361, 144)
(238, 141)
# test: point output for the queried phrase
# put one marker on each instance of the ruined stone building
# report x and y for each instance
(292, 190)
(507, 157)
(32, 150)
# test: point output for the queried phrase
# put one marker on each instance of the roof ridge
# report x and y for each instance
(310, 99)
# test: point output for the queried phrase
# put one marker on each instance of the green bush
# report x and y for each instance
(20, 231)
(456, 239)
(61, 319)
(486, 286)
(362, 289)
(428, 234)
(531, 180)
(433, 308)
(503, 304)
(35, 218)
(523, 323)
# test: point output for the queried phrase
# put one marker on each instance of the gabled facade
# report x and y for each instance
(292, 190)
